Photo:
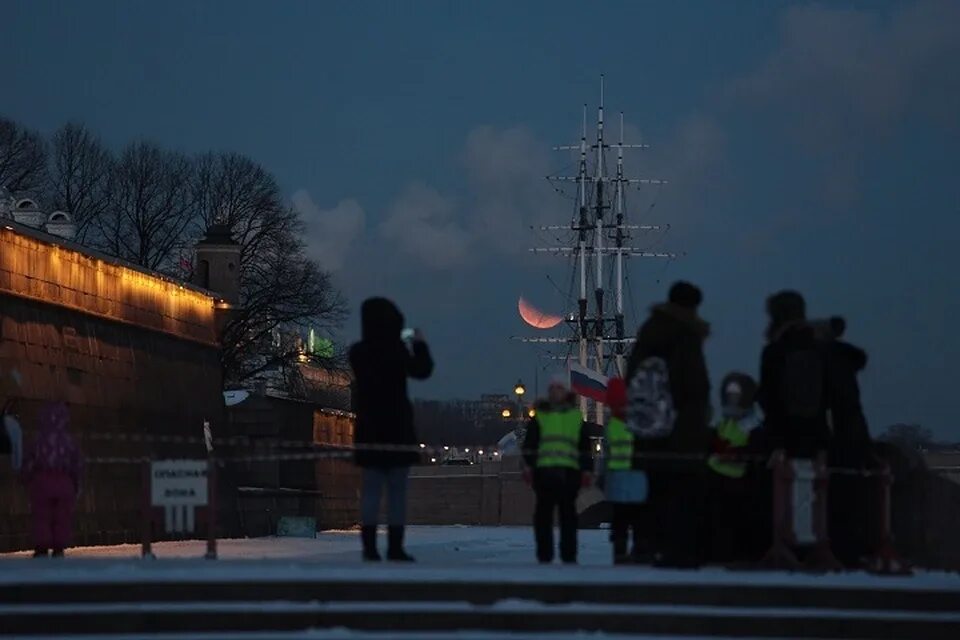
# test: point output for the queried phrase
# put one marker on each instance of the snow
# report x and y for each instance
(503, 606)
(349, 634)
(445, 554)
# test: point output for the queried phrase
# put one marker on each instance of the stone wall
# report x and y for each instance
(489, 494)
(326, 489)
(131, 354)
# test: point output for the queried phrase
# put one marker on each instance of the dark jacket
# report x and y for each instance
(676, 334)
(381, 364)
(531, 442)
(851, 443)
(799, 436)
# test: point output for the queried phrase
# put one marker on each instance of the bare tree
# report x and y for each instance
(23, 158)
(281, 289)
(80, 176)
(150, 207)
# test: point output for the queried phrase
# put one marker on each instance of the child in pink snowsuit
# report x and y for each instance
(52, 470)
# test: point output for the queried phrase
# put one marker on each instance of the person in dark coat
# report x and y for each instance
(851, 448)
(382, 361)
(675, 332)
(793, 370)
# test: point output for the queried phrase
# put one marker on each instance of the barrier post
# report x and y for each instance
(211, 509)
(146, 514)
(821, 557)
(886, 561)
(781, 555)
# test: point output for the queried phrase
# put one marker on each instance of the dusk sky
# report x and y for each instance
(809, 146)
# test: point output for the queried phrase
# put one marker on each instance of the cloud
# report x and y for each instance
(422, 223)
(845, 72)
(508, 192)
(330, 232)
(840, 78)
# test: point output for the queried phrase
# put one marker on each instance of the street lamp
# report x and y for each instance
(506, 413)
(519, 389)
(532, 413)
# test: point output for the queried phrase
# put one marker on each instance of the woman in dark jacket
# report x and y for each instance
(675, 332)
(382, 361)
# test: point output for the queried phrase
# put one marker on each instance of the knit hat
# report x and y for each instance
(738, 391)
(686, 295)
(559, 380)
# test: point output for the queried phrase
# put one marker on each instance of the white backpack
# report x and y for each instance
(650, 412)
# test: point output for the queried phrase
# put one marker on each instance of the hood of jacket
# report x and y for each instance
(380, 321)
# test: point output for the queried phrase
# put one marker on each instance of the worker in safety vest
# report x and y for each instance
(729, 490)
(558, 464)
(624, 485)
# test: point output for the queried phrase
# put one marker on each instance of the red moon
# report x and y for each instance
(536, 318)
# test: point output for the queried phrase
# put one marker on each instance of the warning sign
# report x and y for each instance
(179, 483)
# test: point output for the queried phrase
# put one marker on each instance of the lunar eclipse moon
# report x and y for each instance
(536, 318)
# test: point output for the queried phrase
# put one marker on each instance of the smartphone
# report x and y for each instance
(406, 334)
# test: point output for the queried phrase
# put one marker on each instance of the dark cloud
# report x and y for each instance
(841, 78)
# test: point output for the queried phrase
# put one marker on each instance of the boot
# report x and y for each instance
(395, 550)
(368, 535)
(39, 552)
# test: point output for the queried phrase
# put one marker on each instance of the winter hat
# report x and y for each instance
(783, 308)
(54, 416)
(616, 395)
(684, 294)
(738, 391)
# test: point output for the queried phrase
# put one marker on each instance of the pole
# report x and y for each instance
(211, 509)
(146, 529)
(821, 558)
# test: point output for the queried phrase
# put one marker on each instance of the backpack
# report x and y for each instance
(650, 413)
(803, 384)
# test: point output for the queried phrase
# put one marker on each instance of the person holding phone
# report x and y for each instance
(385, 436)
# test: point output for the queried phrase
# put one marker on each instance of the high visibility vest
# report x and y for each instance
(559, 439)
(619, 445)
(732, 437)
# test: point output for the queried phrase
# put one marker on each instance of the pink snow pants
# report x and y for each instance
(53, 497)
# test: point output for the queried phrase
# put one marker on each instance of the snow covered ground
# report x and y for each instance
(459, 553)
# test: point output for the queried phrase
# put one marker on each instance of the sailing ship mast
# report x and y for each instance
(600, 338)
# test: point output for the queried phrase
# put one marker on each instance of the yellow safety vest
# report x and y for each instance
(619, 445)
(730, 432)
(559, 439)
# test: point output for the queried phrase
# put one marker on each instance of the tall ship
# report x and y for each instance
(602, 234)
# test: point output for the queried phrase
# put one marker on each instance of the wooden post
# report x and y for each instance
(887, 561)
(781, 555)
(146, 514)
(821, 558)
(211, 509)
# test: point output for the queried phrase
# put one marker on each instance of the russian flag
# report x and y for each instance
(588, 383)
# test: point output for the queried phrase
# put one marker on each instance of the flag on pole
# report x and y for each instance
(588, 383)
